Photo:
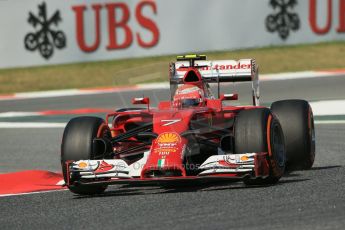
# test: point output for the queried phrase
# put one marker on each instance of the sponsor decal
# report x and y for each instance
(166, 152)
(228, 164)
(163, 151)
(238, 158)
(117, 15)
(284, 20)
(83, 165)
(227, 67)
(233, 161)
(168, 138)
(167, 143)
(229, 161)
(325, 28)
(104, 167)
(46, 36)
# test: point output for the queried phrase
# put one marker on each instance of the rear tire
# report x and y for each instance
(77, 145)
(257, 130)
(296, 119)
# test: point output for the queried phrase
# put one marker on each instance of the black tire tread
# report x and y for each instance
(294, 117)
(250, 132)
(77, 145)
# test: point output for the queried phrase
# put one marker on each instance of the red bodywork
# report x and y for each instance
(170, 129)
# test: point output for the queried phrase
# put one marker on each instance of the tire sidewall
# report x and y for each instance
(275, 152)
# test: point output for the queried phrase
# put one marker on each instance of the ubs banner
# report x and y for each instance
(41, 32)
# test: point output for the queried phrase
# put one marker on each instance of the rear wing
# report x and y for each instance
(216, 71)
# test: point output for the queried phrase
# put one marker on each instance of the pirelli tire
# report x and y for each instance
(77, 144)
(258, 130)
(297, 121)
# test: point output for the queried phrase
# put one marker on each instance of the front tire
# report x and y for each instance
(76, 145)
(296, 119)
(257, 130)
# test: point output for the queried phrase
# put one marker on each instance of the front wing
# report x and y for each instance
(216, 168)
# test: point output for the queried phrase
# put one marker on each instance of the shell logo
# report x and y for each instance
(82, 165)
(168, 138)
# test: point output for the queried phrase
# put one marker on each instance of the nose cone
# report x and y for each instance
(166, 157)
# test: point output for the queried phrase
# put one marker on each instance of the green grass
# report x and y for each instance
(143, 70)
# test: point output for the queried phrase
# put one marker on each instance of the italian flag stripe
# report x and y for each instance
(161, 162)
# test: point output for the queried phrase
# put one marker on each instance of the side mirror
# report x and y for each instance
(141, 101)
(229, 97)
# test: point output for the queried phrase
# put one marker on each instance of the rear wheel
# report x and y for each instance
(257, 130)
(296, 119)
(77, 144)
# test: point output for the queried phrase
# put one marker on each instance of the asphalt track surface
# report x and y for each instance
(313, 199)
(309, 89)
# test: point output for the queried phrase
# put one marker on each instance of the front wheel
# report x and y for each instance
(296, 118)
(257, 130)
(77, 144)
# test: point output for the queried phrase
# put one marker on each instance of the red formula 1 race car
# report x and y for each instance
(194, 136)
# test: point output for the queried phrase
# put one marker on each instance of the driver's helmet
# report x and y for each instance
(188, 95)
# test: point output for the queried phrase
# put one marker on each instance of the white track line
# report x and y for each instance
(161, 85)
(19, 114)
(64, 93)
(14, 125)
(298, 75)
(328, 108)
(329, 122)
(29, 193)
(51, 93)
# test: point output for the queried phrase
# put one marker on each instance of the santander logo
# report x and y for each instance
(227, 67)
